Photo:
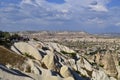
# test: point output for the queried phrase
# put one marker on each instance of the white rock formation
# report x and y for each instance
(45, 75)
(84, 64)
(69, 78)
(59, 47)
(112, 78)
(109, 65)
(35, 44)
(32, 66)
(118, 69)
(99, 75)
(24, 47)
(65, 72)
(48, 60)
(54, 65)
(15, 50)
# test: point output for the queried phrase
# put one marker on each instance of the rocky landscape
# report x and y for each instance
(61, 58)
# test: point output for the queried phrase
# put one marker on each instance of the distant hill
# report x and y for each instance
(111, 34)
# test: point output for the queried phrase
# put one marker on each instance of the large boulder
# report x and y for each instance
(48, 61)
(84, 67)
(72, 63)
(26, 48)
(65, 72)
(109, 65)
(83, 63)
(31, 67)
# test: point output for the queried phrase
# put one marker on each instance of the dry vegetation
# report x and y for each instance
(9, 57)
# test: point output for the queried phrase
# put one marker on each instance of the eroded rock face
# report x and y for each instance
(30, 67)
(55, 65)
(112, 78)
(109, 65)
(84, 67)
(84, 64)
(99, 75)
(115, 58)
(118, 69)
(59, 48)
(73, 64)
(48, 61)
(25, 48)
(97, 58)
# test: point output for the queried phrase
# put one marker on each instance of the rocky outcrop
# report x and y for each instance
(84, 67)
(65, 71)
(99, 75)
(59, 48)
(109, 65)
(36, 44)
(30, 66)
(97, 58)
(26, 48)
(48, 61)
(115, 58)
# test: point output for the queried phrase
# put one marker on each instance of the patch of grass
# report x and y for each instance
(70, 54)
(28, 55)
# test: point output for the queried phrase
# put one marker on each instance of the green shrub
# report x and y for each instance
(36, 39)
(78, 72)
(119, 63)
(70, 54)
(28, 55)
(101, 65)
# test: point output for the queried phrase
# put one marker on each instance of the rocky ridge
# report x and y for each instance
(52, 61)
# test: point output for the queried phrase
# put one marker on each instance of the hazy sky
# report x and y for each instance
(74, 15)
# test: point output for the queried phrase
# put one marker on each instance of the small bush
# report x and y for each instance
(70, 54)
(28, 55)
(101, 65)
(77, 72)
(36, 39)
(28, 69)
(119, 63)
